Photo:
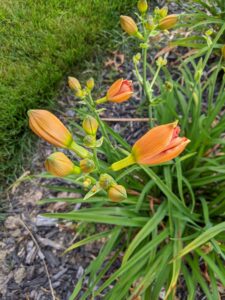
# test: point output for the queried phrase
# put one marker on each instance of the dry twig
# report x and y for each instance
(42, 257)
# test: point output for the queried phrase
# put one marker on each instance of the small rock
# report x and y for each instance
(59, 274)
(80, 272)
(31, 256)
(12, 222)
(19, 274)
(16, 233)
(50, 243)
(44, 221)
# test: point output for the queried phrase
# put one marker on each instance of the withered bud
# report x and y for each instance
(106, 181)
(87, 165)
(89, 141)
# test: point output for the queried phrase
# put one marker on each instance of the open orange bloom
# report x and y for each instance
(49, 127)
(120, 91)
(160, 144)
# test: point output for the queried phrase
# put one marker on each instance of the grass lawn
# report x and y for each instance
(40, 41)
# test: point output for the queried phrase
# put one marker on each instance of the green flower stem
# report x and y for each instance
(101, 100)
(101, 124)
(79, 150)
(147, 91)
(155, 77)
(123, 163)
(95, 158)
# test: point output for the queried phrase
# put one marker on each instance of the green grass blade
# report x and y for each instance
(145, 231)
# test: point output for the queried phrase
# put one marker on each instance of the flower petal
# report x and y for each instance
(121, 97)
(153, 142)
(49, 127)
(166, 155)
(114, 89)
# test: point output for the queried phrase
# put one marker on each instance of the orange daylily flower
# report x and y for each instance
(160, 144)
(120, 91)
(48, 127)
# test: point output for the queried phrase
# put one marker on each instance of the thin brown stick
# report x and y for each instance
(39, 249)
(125, 119)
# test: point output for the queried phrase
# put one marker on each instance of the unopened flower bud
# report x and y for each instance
(89, 141)
(130, 27)
(50, 128)
(207, 248)
(223, 51)
(87, 165)
(161, 62)
(209, 32)
(87, 182)
(90, 125)
(168, 22)
(106, 181)
(59, 164)
(80, 93)
(117, 193)
(168, 86)
(136, 58)
(156, 10)
(74, 84)
(163, 12)
(90, 84)
(149, 25)
(142, 6)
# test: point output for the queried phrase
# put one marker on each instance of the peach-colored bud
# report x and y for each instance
(87, 165)
(128, 25)
(90, 125)
(168, 22)
(74, 84)
(58, 164)
(90, 84)
(120, 91)
(117, 193)
(223, 51)
(49, 127)
(142, 6)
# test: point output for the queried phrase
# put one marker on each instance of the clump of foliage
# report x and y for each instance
(168, 216)
(40, 41)
(204, 19)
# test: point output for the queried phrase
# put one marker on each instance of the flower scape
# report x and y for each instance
(162, 198)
